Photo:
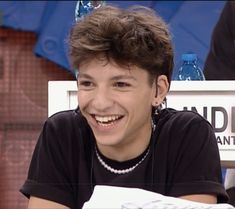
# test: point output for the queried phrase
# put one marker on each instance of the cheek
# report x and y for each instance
(141, 101)
(82, 99)
(148, 96)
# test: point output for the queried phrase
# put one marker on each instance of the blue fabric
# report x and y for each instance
(191, 24)
(51, 20)
(22, 15)
(165, 9)
(54, 30)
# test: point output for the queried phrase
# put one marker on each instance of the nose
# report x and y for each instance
(102, 100)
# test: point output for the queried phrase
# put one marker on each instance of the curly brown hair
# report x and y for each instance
(133, 36)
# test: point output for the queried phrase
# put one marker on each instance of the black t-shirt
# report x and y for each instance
(183, 159)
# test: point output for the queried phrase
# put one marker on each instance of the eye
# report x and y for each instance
(121, 84)
(85, 84)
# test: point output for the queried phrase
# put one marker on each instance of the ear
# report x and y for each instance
(162, 88)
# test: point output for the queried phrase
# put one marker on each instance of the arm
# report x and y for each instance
(38, 203)
(203, 198)
(49, 175)
(194, 161)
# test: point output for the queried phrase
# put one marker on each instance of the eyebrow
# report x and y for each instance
(83, 75)
(118, 77)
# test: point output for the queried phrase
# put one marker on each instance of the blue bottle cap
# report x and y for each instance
(189, 57)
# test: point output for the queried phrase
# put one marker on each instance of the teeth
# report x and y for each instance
(106, 119)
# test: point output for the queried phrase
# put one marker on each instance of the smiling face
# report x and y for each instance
(117, 104)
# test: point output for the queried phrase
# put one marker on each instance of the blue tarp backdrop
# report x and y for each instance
(191, 24)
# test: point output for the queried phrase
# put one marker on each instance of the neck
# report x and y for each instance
(126, 151)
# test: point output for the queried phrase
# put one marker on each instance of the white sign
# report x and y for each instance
(215, 101)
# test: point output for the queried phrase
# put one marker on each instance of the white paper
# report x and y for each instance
(229, 180)
(110, 197)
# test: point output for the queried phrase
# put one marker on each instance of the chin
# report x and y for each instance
(107, 141)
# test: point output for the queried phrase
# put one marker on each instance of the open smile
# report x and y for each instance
(107, 120)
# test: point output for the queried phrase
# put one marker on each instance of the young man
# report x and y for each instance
(119, 135)
(220, 62)
(220, 65)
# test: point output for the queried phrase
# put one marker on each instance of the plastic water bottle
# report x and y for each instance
(189, 69)
(85, 7)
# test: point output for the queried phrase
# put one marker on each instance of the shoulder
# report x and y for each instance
(66, 115)
(229, 7)
(68, 130)
(67, 119)
(69, 124)
(178, 126)
(183, 117)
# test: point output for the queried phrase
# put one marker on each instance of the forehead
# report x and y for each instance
(100, 62)
(101, 67)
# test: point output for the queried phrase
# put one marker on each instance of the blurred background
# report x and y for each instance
(33, 50)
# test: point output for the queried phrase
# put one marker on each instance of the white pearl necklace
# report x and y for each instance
(119, 171)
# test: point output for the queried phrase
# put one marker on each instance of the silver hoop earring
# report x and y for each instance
(153, 125)
(158, 109)
(161, 106)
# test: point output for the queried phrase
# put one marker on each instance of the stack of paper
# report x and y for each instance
(109, 197)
